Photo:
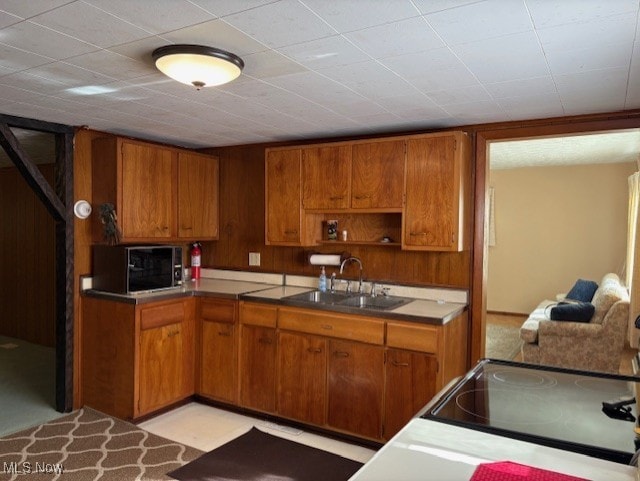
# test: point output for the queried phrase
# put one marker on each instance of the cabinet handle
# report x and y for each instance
(336, 197)
(341, 354)
(265, 340)
(173, 333)
(290, 232)
(315, 350)
(361, 197)
(416, 234)
(184, 227)
(327, 327)
(223, 333)
(400, 364)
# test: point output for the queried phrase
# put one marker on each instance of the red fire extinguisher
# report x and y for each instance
(196, 254)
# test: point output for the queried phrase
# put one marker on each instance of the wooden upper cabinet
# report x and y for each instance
(159, 193)
(197, 196)
(326, 174)
(146, 198)
(286, 222)
(435, 170)
(377, 174)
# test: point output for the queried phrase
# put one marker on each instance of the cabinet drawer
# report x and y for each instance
(258, 314)
(332, 325)
(413, 337)
(163, 315)
(218, 310)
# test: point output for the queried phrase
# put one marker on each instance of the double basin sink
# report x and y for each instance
(361, 301)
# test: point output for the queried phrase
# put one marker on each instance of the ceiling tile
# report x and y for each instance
(594, 82)
(403, 37)
(97, 27)
(521, 88)
(501, 59)
(7, 19)
(370, 79)
(156, 16)
(16, 59)
(547, 14)
(459, 96)
(582, 59)
(280, 24)
(269, 63)
(595, 34)
(349, 15)
(326, 52)
(541, 105)
(218, 34)
(227, 7)
(317, 88)
(43, 41)
(32, 7)
(70, 75)
(477, 21)
(430, 6)
(113, 64)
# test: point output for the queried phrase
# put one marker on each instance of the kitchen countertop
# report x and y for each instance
(417, 310)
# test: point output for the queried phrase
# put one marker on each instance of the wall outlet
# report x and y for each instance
(254, 258)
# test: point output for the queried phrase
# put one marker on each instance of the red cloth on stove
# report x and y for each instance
(508, 471)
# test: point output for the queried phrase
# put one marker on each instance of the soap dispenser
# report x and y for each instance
(322, 282)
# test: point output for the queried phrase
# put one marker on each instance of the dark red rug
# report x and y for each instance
(257, 456)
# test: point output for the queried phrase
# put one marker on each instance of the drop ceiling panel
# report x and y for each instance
(548, 14)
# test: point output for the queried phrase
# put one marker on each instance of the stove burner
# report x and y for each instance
(507, 407)
(532, 380)
(608, 387)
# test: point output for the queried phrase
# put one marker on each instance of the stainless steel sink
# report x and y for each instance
(318, 297)
(368, 302)
(342, 299)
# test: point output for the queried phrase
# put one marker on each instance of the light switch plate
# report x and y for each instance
(254, 259)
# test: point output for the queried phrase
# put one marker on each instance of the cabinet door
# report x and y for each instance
(410, 384)
(377, 175)
(147, 209)
(283, 209)
(197, 196)
(355, 387)
(218, 361)
(161, 367)
(433, 201)
(326, 174)
(302, 377)
(258, 368)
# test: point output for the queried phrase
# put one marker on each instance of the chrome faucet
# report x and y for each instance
(353, 259)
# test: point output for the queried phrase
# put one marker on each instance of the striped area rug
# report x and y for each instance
(87, 445)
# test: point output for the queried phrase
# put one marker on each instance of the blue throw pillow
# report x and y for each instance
(582, 291)
(574, 311)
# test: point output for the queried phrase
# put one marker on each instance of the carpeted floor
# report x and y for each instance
(502, 342)
(87, 445)
(27, 385)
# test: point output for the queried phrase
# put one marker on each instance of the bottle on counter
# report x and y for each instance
(322, 281)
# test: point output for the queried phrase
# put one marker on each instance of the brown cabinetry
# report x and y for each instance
(159, 193)
(137, 359)
(377, 175)
(286, 222)
(355, 387)
(435, 174)
(410, 383)
(197, 196)
(258, 351)
(326, 174)
(302, 377)
(218, 354)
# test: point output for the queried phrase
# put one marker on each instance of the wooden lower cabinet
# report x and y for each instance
(218, 356)
(137, 359)
(410, 383)
(302, 377)
(355, 387)
(258, 349)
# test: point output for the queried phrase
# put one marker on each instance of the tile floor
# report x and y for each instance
(205, 428)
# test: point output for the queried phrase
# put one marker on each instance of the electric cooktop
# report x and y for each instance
(589, 413)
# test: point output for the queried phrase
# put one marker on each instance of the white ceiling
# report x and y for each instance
(317, 68)
(599, 148)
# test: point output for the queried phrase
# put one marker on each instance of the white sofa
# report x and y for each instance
(596, 345)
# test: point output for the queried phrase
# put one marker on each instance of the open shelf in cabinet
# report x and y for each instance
(365, 229)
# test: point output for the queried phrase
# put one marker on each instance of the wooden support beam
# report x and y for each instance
(31, 173)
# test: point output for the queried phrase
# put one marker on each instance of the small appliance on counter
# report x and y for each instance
(130, 269)
(583, 412)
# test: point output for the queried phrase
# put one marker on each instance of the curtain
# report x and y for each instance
(633, 257)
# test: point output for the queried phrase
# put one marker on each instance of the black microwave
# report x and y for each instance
(129, 269)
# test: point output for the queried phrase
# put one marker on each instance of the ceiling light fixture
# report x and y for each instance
(198, 65)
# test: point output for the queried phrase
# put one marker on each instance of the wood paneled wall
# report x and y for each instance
(27, 261)
(242, 231)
